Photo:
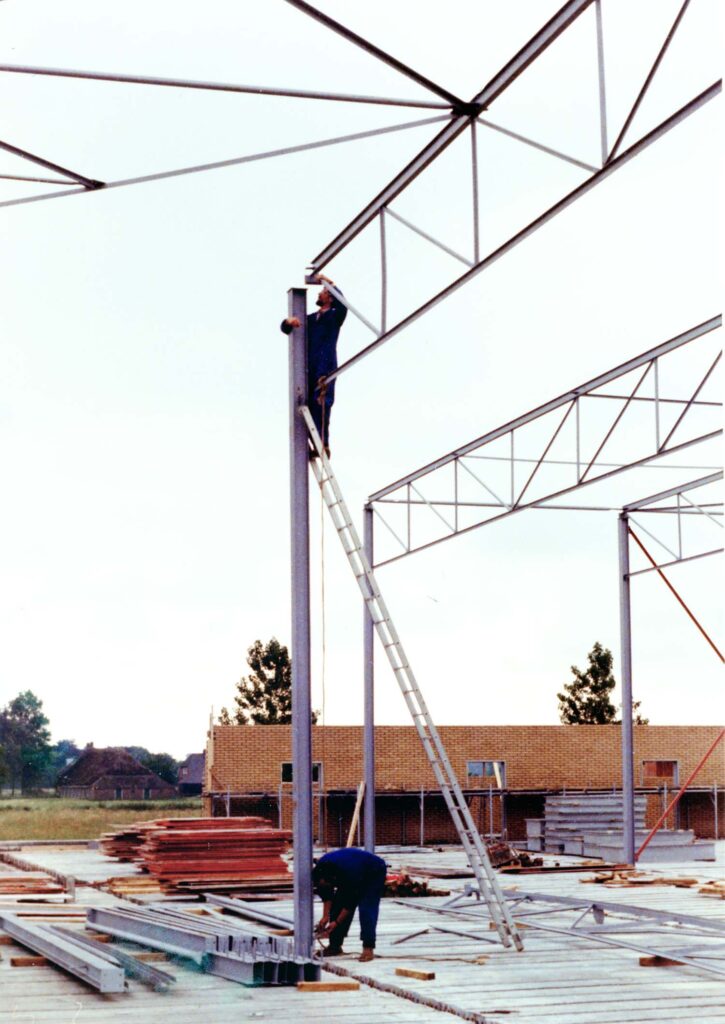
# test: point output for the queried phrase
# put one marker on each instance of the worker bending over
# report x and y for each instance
(348, 880)
(323, 329)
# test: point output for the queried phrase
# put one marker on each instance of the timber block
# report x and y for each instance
(409, 972)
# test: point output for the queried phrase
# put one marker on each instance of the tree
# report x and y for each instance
(25, 741)
(265, 696)
(585, 701)
(163, 765)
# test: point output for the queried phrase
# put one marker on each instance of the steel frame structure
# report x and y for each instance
(460, 116)
(443, 502)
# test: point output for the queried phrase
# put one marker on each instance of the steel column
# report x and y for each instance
(301, 700)
(625, 619)
(369, 699)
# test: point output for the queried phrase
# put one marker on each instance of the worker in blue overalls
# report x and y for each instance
(323, 329)
(348, 880)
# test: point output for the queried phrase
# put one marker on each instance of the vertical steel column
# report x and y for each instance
(625, 621)
(369, 699)
(301, 700)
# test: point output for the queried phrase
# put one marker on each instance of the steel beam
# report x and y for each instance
(88, 183)
(186, 83)
(147, 974)
(144, 179)
(498, 84)
(625, 625)
(596, 382)
(93, 970)
(375, 51)
(369, 698)
(300, 583)
(634, 150)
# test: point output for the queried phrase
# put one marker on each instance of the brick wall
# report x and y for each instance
(248, 759)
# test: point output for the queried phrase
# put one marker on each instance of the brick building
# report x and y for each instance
(111, 773)
(505, 771)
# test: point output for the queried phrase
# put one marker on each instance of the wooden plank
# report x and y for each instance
(328, 986)
(659, 961)
(409, 972)
(29, 961)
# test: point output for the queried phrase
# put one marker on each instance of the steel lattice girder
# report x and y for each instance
(445, 506)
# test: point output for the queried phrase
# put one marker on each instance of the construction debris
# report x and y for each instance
(402, 885)
(28, 884)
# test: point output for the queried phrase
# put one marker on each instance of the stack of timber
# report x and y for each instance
(242, 855)
(27, 885)
(125, 843)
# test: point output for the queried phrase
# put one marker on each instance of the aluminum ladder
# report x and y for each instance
(473, 845)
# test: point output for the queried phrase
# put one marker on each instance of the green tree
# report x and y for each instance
(265, 696)
(163, 765)
(586, 700)
(24, 742)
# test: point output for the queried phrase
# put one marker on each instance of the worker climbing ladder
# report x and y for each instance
(432, 744)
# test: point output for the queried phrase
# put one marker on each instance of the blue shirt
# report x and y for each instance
(351, 870)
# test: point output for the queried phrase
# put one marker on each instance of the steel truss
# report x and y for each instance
(463, 490)
(609, 919)
(460, 117)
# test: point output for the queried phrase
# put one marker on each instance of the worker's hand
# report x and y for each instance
(293, 321)
(321, 389)
(326, 280)
(321, 926)
(327, 931)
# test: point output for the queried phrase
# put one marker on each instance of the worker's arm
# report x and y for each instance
(324, 921)
(330, 927)
(288, 325)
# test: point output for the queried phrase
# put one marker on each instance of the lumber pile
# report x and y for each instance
(218, 855)
(401, 885)
(28, 884)
(125, 843)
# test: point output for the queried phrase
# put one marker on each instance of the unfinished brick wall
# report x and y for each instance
(248, 759)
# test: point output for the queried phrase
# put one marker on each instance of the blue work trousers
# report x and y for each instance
(368, 907)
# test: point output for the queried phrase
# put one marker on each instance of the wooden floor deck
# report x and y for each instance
(558, 979)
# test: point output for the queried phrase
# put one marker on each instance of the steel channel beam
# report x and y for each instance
(633, 506)
(498, 84)
(91, 969)
(247, 910)
(186, 83)
(596, 382)
(146, 973)
(150, 931)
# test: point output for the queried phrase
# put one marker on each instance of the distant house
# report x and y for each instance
(110, 773)
(191, 775)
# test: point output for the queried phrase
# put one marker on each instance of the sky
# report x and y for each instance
(143, 399)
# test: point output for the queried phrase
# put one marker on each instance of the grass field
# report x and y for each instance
(53, 818)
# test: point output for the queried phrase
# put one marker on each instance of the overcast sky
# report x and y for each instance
(143, 402)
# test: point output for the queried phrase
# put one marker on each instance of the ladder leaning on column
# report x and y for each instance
(432, 744)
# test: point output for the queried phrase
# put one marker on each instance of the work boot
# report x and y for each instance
(366, 955)
(332, 951)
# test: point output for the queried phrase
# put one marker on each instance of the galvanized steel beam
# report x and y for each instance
(91, 969)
